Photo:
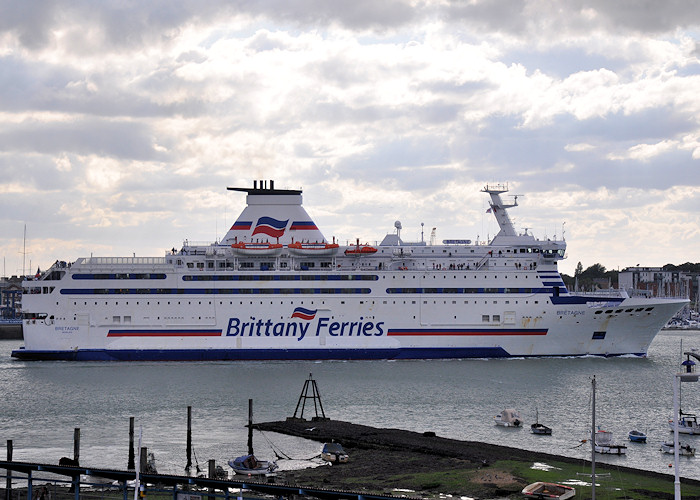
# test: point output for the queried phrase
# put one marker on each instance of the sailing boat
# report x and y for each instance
(603, 440)
(687, 422)
(593, 433)
(538, 428)
(249, 465)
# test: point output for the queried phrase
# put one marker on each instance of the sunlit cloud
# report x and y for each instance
(121, 125)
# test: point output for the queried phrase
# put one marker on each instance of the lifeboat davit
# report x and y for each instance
(311, 249)
(257, 249)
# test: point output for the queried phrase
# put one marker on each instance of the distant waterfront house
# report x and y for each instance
(11, 298)
(657, 282)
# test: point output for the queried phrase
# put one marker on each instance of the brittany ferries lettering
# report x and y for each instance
(324, 326)
(275, 288)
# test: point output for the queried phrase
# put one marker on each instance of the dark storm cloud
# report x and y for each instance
(531, 155)
(123, 140)
(118, 26)
(518, 17)
(37, 86)
(415, 163)
(124, 26)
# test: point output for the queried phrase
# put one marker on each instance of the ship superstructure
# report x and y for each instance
(275, 288)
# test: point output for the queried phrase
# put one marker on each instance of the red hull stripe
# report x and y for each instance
(164, 333)
(457, 332)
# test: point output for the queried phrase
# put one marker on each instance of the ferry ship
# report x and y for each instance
(275, 289)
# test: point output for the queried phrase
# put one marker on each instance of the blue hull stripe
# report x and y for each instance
(578, 299)
(260, 354)
(268, 354)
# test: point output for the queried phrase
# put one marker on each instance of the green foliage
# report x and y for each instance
(688, 267)
(593, 277)
(612, 483)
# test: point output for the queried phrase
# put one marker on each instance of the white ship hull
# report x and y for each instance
(402, 302)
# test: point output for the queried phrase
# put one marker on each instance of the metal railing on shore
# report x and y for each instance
(32, 481)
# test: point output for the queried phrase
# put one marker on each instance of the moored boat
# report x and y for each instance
(687, 424)
(538, 428)
(334, 453)
(637, 436)
(541, 429)
(508, 418)
(251, 466)
(544, 490)
(604, 444)
(683, 448)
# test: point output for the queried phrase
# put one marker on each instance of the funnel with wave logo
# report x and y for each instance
(269, 226)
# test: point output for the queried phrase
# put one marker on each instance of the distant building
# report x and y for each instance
(657, 282)
(10, 298)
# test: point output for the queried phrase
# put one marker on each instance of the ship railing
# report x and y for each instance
(114, 261)
(603, 292)
(483, 261)
(630, 292)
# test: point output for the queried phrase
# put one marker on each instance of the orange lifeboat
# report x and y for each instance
(360, 249)
(311, 249)
(257, 249)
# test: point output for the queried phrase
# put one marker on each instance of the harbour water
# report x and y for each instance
(44, 401)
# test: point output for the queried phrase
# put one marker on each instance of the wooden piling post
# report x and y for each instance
(212, 475)
(76, 445)
(250, 427)
(143, 463)
(132, 464)
(189, 439)
(212, 469)
(8, 484)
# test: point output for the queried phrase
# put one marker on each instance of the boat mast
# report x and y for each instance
(680, 394)
(593, 443)
(24, 250)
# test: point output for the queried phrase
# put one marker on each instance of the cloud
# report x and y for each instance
(128, 121)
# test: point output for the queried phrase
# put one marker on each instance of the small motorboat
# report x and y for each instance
(548, 490)
(334, 453)
(538, 428)
(637, 436)
(687, 424)
(604, 444)
(251, 466)
(508, 418)
(683, 448)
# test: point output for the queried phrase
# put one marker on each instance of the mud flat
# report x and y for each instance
(422, 464)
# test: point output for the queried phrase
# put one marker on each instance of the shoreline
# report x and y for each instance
(381, 457)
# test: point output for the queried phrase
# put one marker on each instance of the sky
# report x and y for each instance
(122, 123)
